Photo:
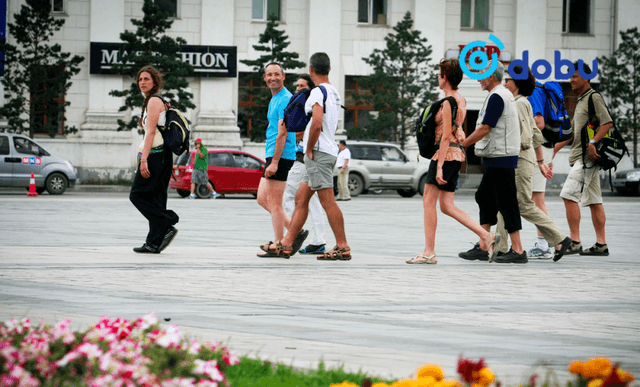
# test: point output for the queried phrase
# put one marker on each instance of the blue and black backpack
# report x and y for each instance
(557, 122)
(175, 131)
(295, 119)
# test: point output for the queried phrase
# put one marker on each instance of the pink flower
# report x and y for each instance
(206, 383)
(170, 337)
(178, 382)
(195, 347)
(209, 368)
(146, 322)
(62, 331)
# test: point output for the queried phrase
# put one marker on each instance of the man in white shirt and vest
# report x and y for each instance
(497, 140)
(343, 172)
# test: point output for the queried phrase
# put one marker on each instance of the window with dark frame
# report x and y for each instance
(474, 14)
(57, 6)
(372, 11)
(576, 16)
(46, 113)
(262, 9)
(357, 112)
(170, 6)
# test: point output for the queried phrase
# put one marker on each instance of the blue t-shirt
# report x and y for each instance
(276, 113)
(538, 100)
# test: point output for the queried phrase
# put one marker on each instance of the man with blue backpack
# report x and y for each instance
(550, 115)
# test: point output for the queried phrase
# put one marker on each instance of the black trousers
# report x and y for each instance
(497, 192)
(149, 196)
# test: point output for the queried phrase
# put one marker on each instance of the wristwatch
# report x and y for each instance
(592, 141)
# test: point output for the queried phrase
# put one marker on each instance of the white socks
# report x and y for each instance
(542, 243)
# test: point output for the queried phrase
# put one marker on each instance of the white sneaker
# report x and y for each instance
(214, 195)
(192, 196)
(537, 253)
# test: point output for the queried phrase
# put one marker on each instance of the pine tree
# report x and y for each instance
(273, 43)
(36, 73)
(150, 46)
(619, 77)
(403, 80)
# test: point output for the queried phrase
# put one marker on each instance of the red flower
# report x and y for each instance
(467, 367)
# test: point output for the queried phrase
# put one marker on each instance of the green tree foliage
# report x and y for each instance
(273, 43)
(402, 82)
(36, 73)
(150, 46)
(619, 77)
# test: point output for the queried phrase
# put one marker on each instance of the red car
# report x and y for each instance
(230, 171)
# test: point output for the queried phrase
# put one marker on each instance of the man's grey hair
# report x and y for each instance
(320, 63)
(498, 75)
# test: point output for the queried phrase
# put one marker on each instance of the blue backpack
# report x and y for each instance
(557, 122)
(295, 119)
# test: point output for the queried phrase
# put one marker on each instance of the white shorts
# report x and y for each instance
(583, 185)
(539, 182)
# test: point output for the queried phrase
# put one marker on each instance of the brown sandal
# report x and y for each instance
(265, 247)
(335, 254)
(279, 252)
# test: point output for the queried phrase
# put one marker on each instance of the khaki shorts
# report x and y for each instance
(539, 182)
(582, 185)
(319, 173)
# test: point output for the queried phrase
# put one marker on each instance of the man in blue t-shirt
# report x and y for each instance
(497, 140)
(280, 153)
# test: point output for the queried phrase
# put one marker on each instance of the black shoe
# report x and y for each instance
(512, 257)
(313, 249)
(475, 253)
(146, 249)
(297, 242)
(169, 236)
(564, 245)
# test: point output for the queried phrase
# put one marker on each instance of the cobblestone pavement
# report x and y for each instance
(70, 256)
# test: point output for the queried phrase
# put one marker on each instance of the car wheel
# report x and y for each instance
(56, 183)
(183, 193)
(202, 191)
(406, 193)
(375, 191)
(423, 181)
(356, 184)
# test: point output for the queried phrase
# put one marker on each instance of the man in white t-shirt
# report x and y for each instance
(343, 173)
(321, 152)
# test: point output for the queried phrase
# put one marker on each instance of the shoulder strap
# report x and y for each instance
(454, 109)
(324, 98)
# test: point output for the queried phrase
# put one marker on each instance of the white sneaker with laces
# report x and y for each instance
(537, 253)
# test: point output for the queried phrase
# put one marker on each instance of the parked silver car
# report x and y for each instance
(627, 182)
(383, 165)
(20, 156)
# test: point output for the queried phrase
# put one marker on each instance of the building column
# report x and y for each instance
(531, 30)
(325, 22)
(106, 153)
(216, 121)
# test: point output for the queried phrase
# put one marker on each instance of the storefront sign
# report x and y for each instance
(207, 61)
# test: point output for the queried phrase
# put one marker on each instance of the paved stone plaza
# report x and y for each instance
(70, 256)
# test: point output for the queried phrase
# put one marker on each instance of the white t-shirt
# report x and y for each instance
(343, 156)
(326, 142)
(157, 139)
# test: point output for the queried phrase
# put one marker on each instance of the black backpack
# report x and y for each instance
(175, 131)
(611, 147)
(426, 126)
(557, 122)
(295, 119)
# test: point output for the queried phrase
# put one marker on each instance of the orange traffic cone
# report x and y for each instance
(32, 186)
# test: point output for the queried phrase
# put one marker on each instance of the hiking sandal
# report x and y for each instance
(335, 254)
(265, 247)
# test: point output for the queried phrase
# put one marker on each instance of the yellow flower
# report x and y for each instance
(576, 367)
(485, 376)
(432, 370)
(595, 382)
(447, 383)
(624, 376)
(345, 384)
(403, 383)
(426, 381)
(379, 384)
(595, 367)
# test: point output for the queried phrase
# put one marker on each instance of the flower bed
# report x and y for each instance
(114, 352)
(119, 352)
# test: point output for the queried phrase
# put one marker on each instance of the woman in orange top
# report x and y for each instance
(442, 178)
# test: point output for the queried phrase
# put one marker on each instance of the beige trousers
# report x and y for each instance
(343, 186)
(529, 211)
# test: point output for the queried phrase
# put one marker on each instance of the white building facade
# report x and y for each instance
(347, 30)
